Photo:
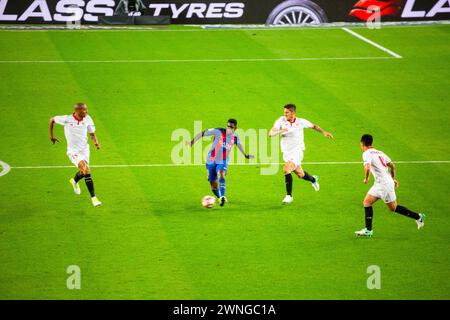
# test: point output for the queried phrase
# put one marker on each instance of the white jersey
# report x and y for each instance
(293, 139)
(378, 165)
(76, 131)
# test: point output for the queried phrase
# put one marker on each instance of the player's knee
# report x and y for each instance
(392, 207)
(221, 175)
(286, 169)
(84, 169)
(300, 174)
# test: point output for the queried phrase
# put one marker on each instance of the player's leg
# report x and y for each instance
(368, 202)
(307, 177)
(288, 167)
(418, 217)
(222, 172)
(215, 187)
(212, 178)
(78, 176)
(86, 172)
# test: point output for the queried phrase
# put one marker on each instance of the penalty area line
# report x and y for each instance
(376, 45)
(150, 165)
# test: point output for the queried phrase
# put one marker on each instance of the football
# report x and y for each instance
(208, 201)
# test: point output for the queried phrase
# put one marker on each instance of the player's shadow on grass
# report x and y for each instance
(183, 209)
(235, 207)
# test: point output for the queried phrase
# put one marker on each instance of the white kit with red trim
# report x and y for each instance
(378, 161)
(292, 141)
(76, 131)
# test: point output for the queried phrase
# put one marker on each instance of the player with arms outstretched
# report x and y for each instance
(76, 127)
(292, 146)
(379, 163)
(217, 160)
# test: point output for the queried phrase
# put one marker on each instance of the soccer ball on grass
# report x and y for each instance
(208, 201)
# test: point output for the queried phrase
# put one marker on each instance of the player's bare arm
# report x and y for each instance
(95, 140)
(325, 133)
(366, 173)
(196, 138)
(241, 149)
(392, 172)
(52, 137)
(274, 131)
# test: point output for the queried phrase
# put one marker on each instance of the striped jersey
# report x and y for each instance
(222, 145)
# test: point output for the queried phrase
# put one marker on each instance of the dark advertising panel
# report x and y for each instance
(273, 12)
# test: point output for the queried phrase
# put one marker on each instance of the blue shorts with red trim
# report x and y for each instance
(214, 168)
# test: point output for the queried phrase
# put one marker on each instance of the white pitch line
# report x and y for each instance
(353, 33)
(194, 60)
(233, 164)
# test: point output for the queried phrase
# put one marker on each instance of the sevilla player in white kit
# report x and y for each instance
(377, 162)
(292, 146)
(76, 127)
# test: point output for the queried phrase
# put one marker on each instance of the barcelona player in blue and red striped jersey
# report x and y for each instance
(217, 160)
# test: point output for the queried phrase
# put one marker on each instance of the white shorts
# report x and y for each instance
(76, 157)
(385, 191)
(295, 156)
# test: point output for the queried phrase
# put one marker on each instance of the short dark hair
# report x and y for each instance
(79, 105)
(291, 107)
(233, 121)
(367, 140)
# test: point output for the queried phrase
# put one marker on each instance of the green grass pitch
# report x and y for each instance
(151, 239)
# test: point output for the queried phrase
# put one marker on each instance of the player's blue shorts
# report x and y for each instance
(214, 168)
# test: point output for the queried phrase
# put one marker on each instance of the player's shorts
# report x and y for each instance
(295, 156)
(76, 157)
(384, 191)
(214, 168)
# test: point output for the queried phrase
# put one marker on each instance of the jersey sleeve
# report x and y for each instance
(386, 158)
(306, 124)
(213, 132)
(277, 125)
(60, 120)
(236, 140)
(90, 126)
(366, 158)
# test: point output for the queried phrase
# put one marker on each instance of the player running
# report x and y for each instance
(76, 127)
(379, 164)
(217, 160)
(292, 147)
